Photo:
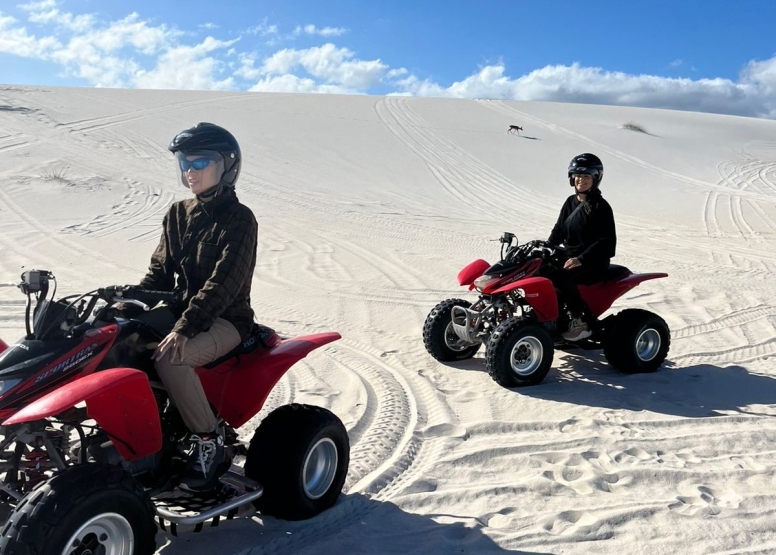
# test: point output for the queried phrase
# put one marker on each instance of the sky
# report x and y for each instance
(696, 55)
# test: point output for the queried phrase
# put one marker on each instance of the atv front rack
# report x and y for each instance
(179, 508)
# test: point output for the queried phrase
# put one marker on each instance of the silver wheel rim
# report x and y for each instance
(526, 356)
(648, 344)
(453, 342)
(320, 467)
(106, 534)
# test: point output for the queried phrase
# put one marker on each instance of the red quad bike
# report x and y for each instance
(518, 318)
(91, 449)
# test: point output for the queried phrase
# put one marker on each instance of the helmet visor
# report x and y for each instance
(208, 161)
(581, 170)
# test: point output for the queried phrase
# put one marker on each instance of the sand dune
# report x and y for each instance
(368, 207)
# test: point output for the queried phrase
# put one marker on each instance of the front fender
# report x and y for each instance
(472, 272)
(120, 400)
(539, 293)
(3, 345)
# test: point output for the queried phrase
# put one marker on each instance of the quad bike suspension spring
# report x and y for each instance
(34, 465)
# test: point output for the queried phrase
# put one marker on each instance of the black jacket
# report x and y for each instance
(587, 233)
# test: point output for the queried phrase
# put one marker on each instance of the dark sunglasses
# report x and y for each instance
(199, 164)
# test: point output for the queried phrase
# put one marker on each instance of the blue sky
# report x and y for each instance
(684, 54)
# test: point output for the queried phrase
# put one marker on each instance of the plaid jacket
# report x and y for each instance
(214, 274)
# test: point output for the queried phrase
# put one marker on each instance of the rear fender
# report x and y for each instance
(3, 345)
(239, 386)
(539, 293)
(472, 272)
(600, 296)
(120, 400)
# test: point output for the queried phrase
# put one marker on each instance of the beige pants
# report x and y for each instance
(182, 382)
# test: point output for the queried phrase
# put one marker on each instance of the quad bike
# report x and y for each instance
(517, 316)
(91, 449)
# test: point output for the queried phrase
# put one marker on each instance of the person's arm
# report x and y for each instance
(604, 246)
(233, 267)
(557, 235)
(161, 271)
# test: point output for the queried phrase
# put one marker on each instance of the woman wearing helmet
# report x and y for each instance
(585, 227)
(207, 252)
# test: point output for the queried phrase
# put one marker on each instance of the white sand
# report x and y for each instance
(368, 207)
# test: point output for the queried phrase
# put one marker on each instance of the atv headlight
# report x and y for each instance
(483, 281)
(7, 385)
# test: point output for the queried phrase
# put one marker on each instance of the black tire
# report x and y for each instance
(290, 440)
(637, 341)
(519, 353)
(54, 513)
(438, 335)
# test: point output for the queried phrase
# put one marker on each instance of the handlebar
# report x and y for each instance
(129, 293)
(544, 248)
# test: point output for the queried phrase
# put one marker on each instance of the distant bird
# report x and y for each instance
(513, 128)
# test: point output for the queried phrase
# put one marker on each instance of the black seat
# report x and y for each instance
(614, 272)
(260, 336)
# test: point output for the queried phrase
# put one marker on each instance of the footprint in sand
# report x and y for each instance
(678, 460)
(573, 425)
(584, 473)
(747, 463)
(703, 501)
(508, 518)
(571, 522)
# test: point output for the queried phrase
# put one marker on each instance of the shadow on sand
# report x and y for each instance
(356, 524)
(700, 390)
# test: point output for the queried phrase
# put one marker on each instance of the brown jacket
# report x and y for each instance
(214, 274)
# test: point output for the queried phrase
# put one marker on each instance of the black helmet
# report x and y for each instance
(588, 164)
(208, 137)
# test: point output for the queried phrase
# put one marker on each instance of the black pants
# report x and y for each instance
(566, 281)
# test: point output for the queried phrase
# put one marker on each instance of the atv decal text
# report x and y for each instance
(67, 364)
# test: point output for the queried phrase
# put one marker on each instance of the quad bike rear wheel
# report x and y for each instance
(440, 339)
(88, 508)
(519, 353)
(637, 341)
(300, 455)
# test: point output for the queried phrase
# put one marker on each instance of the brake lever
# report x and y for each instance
(135, 302)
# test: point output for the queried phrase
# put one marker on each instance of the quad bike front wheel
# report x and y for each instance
(88, 508)
(637, 341)
(440, 338)
(519, 353)
(300, 455)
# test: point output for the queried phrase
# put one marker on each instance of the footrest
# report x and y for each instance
(184, 508)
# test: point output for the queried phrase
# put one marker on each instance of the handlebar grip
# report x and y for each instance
(148, 295)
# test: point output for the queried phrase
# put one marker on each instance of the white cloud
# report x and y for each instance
(38, 6)
(292, 83)
(263, 29)
(329, 63)
(105, 55)
(17, 41)
(187, 67)
(311, 29)
(46, 12)
(133, 52)
(753, 95)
